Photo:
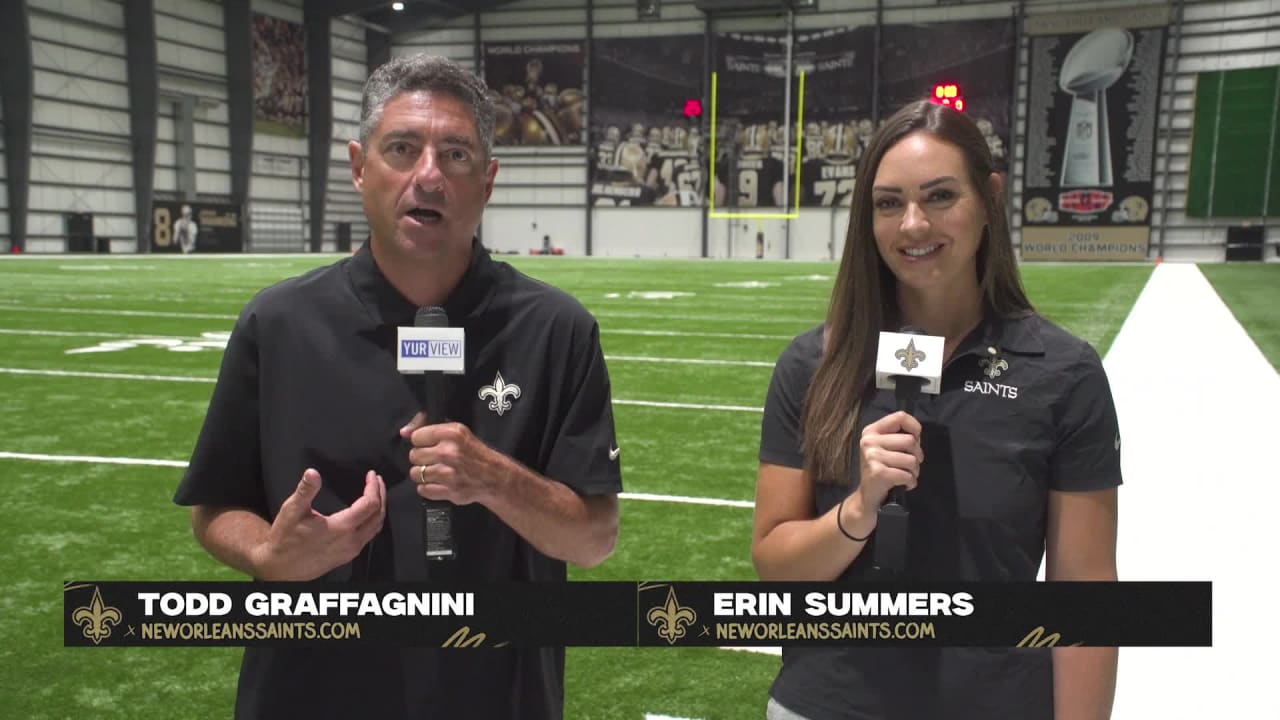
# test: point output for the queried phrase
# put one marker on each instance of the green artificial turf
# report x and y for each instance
(699, 333)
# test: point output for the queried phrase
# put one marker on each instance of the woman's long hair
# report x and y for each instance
(864, 299)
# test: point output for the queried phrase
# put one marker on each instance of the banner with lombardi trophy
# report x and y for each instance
(1094, 84)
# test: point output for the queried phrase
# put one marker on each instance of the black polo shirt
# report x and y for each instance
(1025, 408)
(309, 379)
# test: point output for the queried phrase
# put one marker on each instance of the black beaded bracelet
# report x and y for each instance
(840, 511)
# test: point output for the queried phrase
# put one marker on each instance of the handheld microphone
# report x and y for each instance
(437, 515)
(907, 362)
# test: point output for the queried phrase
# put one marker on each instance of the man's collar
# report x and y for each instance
(386, 306)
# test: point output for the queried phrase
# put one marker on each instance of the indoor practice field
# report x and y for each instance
(106, 366)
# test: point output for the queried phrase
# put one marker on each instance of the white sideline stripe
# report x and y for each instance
(651, 716)
(689, 361)
(152, 462)
(131, 313)
(1197, 405)
(687, 500)
(193, 379)
(105, 375)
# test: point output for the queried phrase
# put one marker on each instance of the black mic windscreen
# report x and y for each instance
(437, 515)
(431, 317)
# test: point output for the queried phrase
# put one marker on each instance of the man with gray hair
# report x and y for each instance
(315, 456)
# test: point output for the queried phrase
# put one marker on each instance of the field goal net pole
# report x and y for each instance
(793, 211)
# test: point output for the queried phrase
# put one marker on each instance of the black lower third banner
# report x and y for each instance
(646, 614)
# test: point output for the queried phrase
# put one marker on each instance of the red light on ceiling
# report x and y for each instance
(692, 108)
(948, 94)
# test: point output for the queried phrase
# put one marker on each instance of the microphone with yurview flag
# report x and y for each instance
(432, 348)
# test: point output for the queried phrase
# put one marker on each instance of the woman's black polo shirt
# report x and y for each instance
(309, 379)
(1025, 408)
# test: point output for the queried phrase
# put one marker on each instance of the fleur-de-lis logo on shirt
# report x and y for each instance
(499, 391)
(993, 367)
(910, 356)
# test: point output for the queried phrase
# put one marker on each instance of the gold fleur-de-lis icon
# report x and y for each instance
(671, 619)
(993, 367)
(910, 356)
(500, 391)
(97, 618)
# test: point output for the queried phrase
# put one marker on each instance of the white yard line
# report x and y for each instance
(176, 257)
(684, 333)
(761, 650)
(799, 323)
(689, 361)
(41, 457)
(195, 379)
(105, 375)
(687, 500)
(1198, 412)
(154, 462)
(689, 406)
(606, 331)
(104, 311)
(68, 333)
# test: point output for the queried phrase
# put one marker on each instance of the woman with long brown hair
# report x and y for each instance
(1017, 458)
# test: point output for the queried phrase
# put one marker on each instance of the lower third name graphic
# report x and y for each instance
(322, 604)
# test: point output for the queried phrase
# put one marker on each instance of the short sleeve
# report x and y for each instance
(1086, 454)
(780, 436)
(226, 465)
(585, 455)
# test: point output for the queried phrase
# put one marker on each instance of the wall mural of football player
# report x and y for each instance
(838, 83)
(185, 230)
(828, 173)
(646, 152)
(538, 90)
(751, 69)
(758, 180)
(195, 227)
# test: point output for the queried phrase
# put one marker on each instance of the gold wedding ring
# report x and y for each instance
(422, 474)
